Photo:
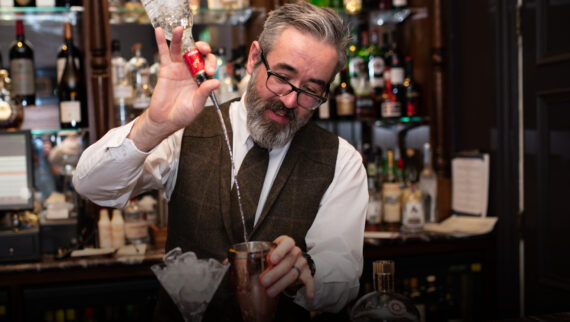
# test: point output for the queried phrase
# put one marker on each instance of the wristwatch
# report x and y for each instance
(310, 262)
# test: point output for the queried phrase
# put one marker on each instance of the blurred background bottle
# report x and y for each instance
(384, 304)
(138, 70)
(71, 94)
(63, 51)
(22, 70)
(122, 87)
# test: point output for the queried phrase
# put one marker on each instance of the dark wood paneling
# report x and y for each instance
(546, 88)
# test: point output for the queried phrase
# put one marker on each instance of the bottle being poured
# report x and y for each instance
(170, 14)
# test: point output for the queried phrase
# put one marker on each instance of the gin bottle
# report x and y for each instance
(384, 304)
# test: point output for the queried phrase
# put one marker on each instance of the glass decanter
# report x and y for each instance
(384, 304)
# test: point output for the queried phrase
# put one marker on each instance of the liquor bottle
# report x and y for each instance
(353, 61)
(376, 64)
(138, 70)
(22, 69)
(384, 304)
(71, 94)
(344, 96)
(390, 107)
(399, 4)
(365, 108)
(11, 114)
(24, 3)
(136, 228)
(428, 185)
(62, 54)
(104, 228)
(413, 217)
(391, 195)
(374, 210)
(411, 89)
(122, 88)
(397, 77)
(327, 110)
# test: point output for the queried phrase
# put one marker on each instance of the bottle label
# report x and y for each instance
(374, 211)
(396, 75)
(391, 109)
(376, 67)
(136, 230)
(194, 61)
(345, 104)
(123, 91)
(70, 111)
(23, 82)
(356, 66)
(141, 102)
(391, 195)
(400, 3)
(413, 215)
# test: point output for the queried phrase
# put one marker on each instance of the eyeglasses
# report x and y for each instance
(280, 86)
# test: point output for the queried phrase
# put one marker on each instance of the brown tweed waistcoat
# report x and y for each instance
(199, 215)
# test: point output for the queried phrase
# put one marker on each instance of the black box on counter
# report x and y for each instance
(58, 234)
(20, 245)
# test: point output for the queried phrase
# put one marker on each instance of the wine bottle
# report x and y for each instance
(71, 94)
(22, 69)
(62, 54)
(384, 304)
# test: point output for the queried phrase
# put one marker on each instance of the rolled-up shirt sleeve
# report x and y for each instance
(335, 239)
(113, 169)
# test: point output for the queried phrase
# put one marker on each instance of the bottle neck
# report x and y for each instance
(384, 283)
(20, 31)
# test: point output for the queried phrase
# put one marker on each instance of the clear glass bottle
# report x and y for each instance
(384, 304)
(138, 69)
(428, 185)
(136, 227)
(391, 194)
(413, 217)
(122, 87)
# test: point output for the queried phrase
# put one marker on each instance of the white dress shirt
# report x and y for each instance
(112, 170)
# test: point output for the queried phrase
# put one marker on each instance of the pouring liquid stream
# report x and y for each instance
(169, 14)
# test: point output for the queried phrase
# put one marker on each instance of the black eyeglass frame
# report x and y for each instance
(321, 99)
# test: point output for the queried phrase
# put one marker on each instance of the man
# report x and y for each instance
(314, 195)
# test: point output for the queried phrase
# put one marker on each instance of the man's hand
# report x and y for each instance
(288, 268)
(177, 99)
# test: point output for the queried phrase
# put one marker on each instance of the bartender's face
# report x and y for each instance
(306, 63)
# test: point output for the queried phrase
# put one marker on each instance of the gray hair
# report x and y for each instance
(321, 23)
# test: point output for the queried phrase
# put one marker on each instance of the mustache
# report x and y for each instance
(277, 106)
